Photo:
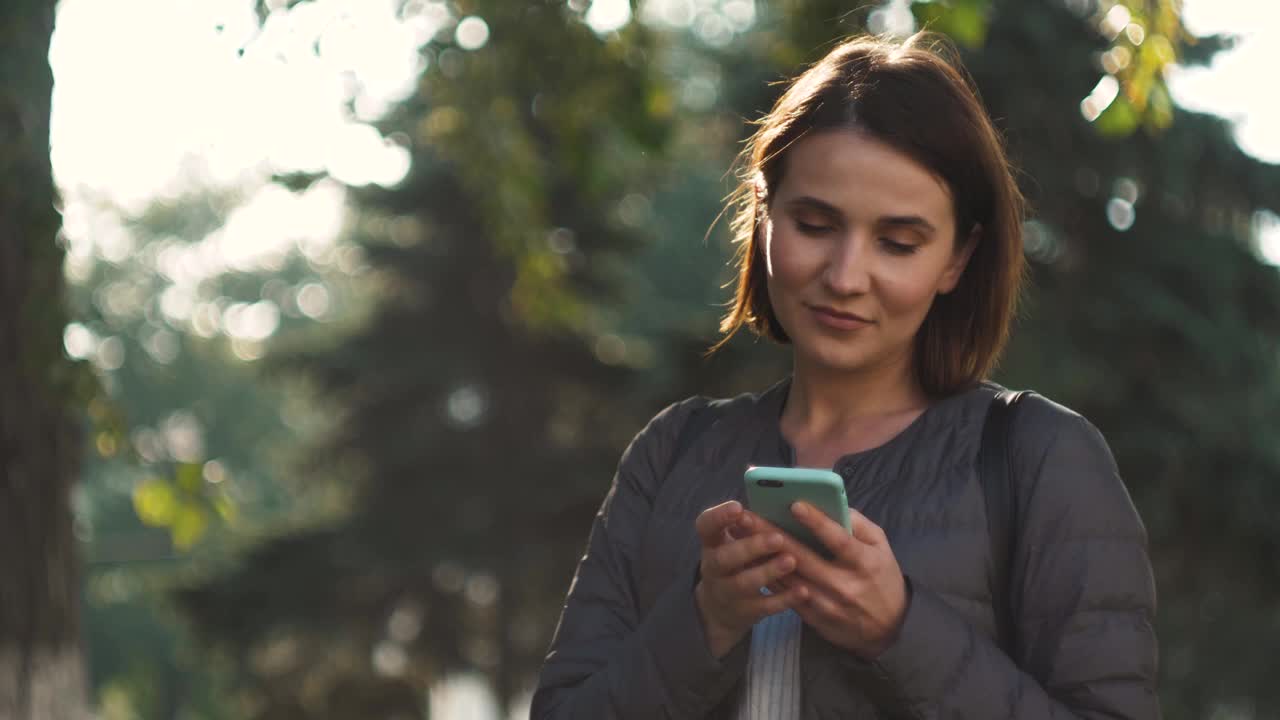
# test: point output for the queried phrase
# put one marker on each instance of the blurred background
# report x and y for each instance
(365, 297)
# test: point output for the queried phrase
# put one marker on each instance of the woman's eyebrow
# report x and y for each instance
(907, 221)
(811, 202)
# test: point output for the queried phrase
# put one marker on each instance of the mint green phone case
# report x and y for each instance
(772, 490)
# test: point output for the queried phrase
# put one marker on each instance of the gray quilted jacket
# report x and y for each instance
(630, 643)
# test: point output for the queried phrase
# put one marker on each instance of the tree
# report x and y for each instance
(41, 668)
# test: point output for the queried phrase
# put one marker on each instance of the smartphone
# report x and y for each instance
(772, 490)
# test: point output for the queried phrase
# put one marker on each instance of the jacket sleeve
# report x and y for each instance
(608, 661)
(1082, 595)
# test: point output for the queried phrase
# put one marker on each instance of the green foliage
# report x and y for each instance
(185, 505)
(1142, 38)
(489, 369)
(187, 450)
(1120, 119)
(157, 672)
(964, 20)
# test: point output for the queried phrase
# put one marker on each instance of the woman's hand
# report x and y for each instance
(856, 600)
(736, 562)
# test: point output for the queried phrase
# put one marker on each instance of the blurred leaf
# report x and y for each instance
(659, 102)
(226, 508)
(189, 478)
(1159, 108)
(963, 20)
(190, 521)
(155, 502)
(1161, 49)
(106, 444)
(1119, 119)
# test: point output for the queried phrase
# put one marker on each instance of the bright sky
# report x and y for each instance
(1238, 84)
(151, 97)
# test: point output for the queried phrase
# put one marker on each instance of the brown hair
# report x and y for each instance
(917, 99)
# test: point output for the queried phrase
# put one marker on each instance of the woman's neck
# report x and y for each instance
(830, 413)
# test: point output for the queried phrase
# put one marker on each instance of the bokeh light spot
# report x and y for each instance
(561, 241)
(214, 472)
(894, 18)
(247, 350)
(1127, 189)
(449, 577)
(1103, 94)
(1135, 33)
(257, 321)
(109, 354)
(184, 436)
(472, 33)
(611, 349)
(634, 210)
(742, 13)
(699, 93)
(389, 659)
(672, 13)
(405, 622)
(162, 346)
(313, 300)
(1266, 236)
(1120, 214)
(79, 341)
(467, 406)
(1040, 243)
(1116, 20)
(606, 16)
(482, 589)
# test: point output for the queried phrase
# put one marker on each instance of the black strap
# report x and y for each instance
(1002, 507)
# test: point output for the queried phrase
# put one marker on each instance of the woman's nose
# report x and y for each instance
(846, 271)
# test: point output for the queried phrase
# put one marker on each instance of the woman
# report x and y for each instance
(880, 236)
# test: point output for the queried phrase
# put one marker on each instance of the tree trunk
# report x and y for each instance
(41, 666)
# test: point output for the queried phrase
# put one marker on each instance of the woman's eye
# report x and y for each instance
(811, 229)
(897, 248)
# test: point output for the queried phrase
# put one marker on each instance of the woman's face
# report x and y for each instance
(858, 240)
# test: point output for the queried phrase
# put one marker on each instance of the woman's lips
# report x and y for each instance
(837, 320)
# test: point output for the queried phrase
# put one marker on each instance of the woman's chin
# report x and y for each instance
(823, 355)
(841, 359)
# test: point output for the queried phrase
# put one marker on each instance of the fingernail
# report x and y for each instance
(799, 508)
(746, 521)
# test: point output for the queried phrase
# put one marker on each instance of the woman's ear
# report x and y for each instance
(760, 188)
(959, 261)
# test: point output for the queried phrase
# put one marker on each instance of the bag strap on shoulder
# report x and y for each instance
(1002, 506)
